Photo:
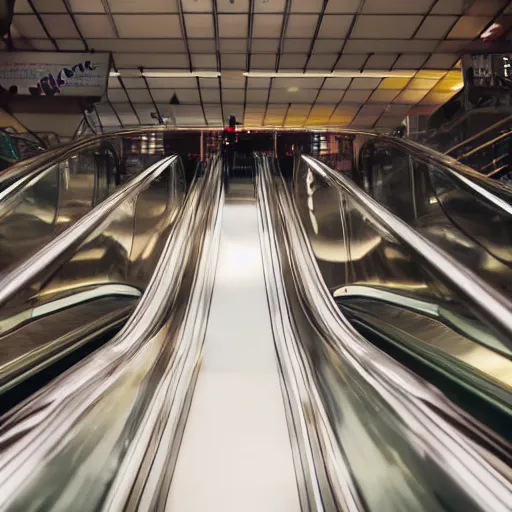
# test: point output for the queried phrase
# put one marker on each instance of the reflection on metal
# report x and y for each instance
(102, 266)
(494, 306)
(356, 416)
(118, 416)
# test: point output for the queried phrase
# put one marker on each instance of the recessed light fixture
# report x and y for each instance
(293, 89)
(114, 73)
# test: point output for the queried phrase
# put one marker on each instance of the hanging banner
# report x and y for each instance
(54, 74)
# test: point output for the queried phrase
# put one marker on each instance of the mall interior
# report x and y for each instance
(256, 255)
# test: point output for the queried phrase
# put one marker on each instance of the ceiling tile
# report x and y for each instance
(231, 46)
(46, 6)
(184, 95)
(410, 96)
(394, 83)
(424, 84)
(22, 6)
(202, 45)
(36, 44)
(390, 46)
(310, 6)
(60, 25)
(264, 45)
(335, 26)
(337, 83)
(171, 83)
(365, 83)
(138, 45)
(199, 25)
(457, 46)
(348, 61)
(486, 7)
(134, 83)
(327, 45)
(89, 6)
(230, 7)
(233, 25)
(266, 6)
(383, 95)
(435, 27)
(342, 7)
(233, 80)
(233, 61)
(204, 61)
(265, 25)
(411, 61)
(258, 83)
(296, 45)
(330, 96)
(322, 61)
(27, 26)
(117, 96)
(396, 6)
(156, 60)
(385, 27)
(71, 45)
(292, 61)
(136, 6)
(468, 27)
(257, 95)
(364, 121)
(209, 83)
(94, 25)
(286, 96)
(441, 61)
(139, 96)
(233, 96)
(449, 7)
(356, 96)
(263, 61)
(147, 25)
(301, 26)
(381, 61)
(301, 83)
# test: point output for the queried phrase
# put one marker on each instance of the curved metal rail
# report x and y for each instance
(118, 416)
(369, 434)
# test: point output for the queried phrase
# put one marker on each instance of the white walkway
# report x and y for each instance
(235, 454)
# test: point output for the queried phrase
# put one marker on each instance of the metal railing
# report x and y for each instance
(350, 404)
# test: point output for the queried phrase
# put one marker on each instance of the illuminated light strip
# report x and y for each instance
(334, 74)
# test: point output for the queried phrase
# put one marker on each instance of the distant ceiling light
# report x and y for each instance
(490, 31)
(181, 74)
(114, 73)
(293, 89)
(334, 74)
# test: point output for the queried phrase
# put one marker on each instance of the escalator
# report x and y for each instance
(75, 289)
(237, 384)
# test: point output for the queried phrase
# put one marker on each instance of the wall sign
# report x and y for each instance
(53, 74)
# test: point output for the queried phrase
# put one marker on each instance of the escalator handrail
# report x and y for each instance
(17, 175)
(126, 372)
(491, 304)
(442, 427)
(70, 239)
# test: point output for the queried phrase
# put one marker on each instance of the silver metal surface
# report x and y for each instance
(388, 440)
(112, 255)
(108, 431)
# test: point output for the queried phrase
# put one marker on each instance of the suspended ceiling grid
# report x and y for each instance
(311, 36)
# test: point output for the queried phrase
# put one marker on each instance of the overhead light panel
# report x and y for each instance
(181, 74)
(114, 73)
(334, 74)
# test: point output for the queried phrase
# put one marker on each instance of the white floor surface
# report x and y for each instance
(235, 454)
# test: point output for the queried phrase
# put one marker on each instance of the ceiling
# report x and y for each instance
(425, 38)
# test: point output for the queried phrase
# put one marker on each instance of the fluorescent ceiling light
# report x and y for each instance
(180, 74)
(114, 73)
(334, 74)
